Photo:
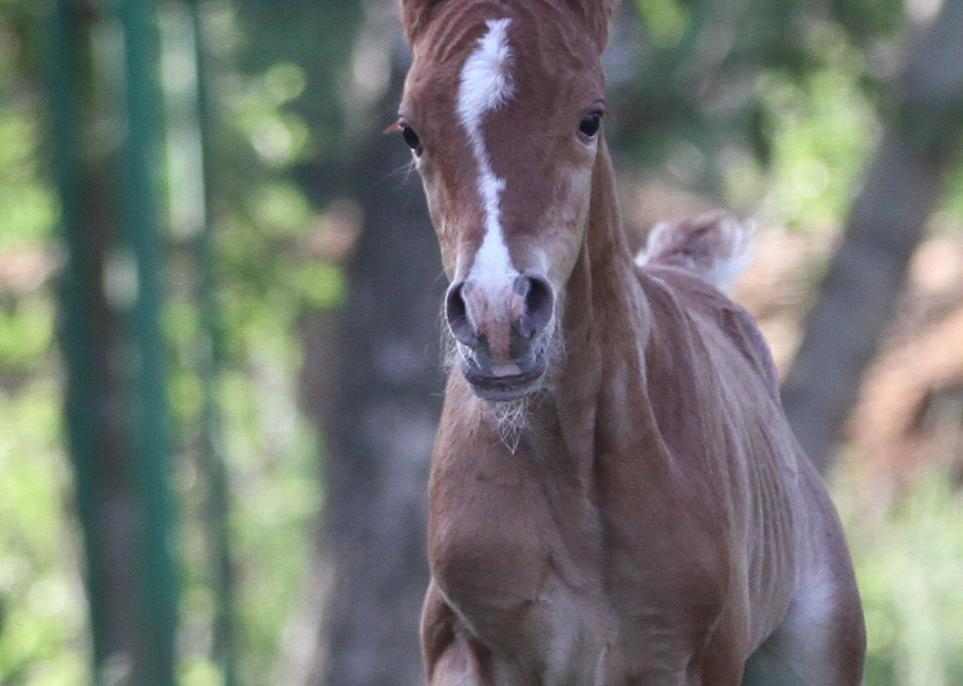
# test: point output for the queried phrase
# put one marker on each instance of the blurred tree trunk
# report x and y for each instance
(380, 415)
(901, 190)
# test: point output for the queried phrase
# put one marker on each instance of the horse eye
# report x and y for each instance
(412, 140)
(591, 124)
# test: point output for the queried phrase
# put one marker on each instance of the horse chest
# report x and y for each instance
(488, 547)
(509, 594)
(518, 568)
(495, 539)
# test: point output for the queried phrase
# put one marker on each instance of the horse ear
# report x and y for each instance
(597, 15)
(415, 15)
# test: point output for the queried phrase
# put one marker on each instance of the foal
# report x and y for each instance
(648, 517)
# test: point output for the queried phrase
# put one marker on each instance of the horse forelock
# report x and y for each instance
(423, 17)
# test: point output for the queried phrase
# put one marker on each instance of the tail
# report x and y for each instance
(715, 246)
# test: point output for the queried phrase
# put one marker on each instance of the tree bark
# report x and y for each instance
(902, 187)
(381, 419)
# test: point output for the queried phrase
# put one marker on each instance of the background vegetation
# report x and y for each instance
(771, 108)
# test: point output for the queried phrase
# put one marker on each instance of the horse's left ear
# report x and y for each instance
(598, 16)
(415, 15)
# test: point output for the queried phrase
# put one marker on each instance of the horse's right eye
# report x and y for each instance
(591, 124)
(412, 140)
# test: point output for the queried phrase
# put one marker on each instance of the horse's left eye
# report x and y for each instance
(591, 124)
(412, 140)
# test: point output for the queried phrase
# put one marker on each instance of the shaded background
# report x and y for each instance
(219, 374)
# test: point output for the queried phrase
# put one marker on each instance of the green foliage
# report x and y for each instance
(42, 608)
(279, 135)
(772, 106)
(950, 216)
(821, 130)
(265, 280)
(26, 204)
(269, 82)
(299, 49)
(909, 563)
(26, 327)
(666, 21)
(870, 24)
(42, 611)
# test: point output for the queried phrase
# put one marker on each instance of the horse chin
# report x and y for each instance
(504, 388)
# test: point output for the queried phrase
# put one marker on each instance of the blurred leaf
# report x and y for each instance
(665, 20)
(320, 284)
(26, 332)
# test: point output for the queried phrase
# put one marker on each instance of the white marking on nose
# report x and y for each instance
(486, 83)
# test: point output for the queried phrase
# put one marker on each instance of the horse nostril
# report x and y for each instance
(539, 304)
(456, 312)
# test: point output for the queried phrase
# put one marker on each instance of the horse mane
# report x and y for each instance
(714, 245)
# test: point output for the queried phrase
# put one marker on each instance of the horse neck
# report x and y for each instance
(604, 304)
(605, 314)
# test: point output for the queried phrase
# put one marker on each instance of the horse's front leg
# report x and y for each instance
(452, 657)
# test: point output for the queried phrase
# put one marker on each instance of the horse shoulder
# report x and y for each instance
(715, 313)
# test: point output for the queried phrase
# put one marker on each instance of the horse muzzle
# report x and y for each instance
(503, 329)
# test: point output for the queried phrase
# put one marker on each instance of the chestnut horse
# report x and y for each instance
(616, 496)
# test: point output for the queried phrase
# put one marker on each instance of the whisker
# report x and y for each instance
(404, 171)
(511, 419)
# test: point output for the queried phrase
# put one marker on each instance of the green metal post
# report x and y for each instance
(65, 70)
(150, 449)
(212, 453)
(115, 402)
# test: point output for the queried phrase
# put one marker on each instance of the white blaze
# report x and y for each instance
(486, 83)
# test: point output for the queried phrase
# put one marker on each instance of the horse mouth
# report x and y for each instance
(502, 383)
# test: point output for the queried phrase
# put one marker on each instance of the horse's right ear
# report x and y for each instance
(415, 15)
(597, 15)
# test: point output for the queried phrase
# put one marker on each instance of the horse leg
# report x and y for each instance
(456, 665)
(820, 642)
(447, 658)
(453, 658)
(803, 651)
